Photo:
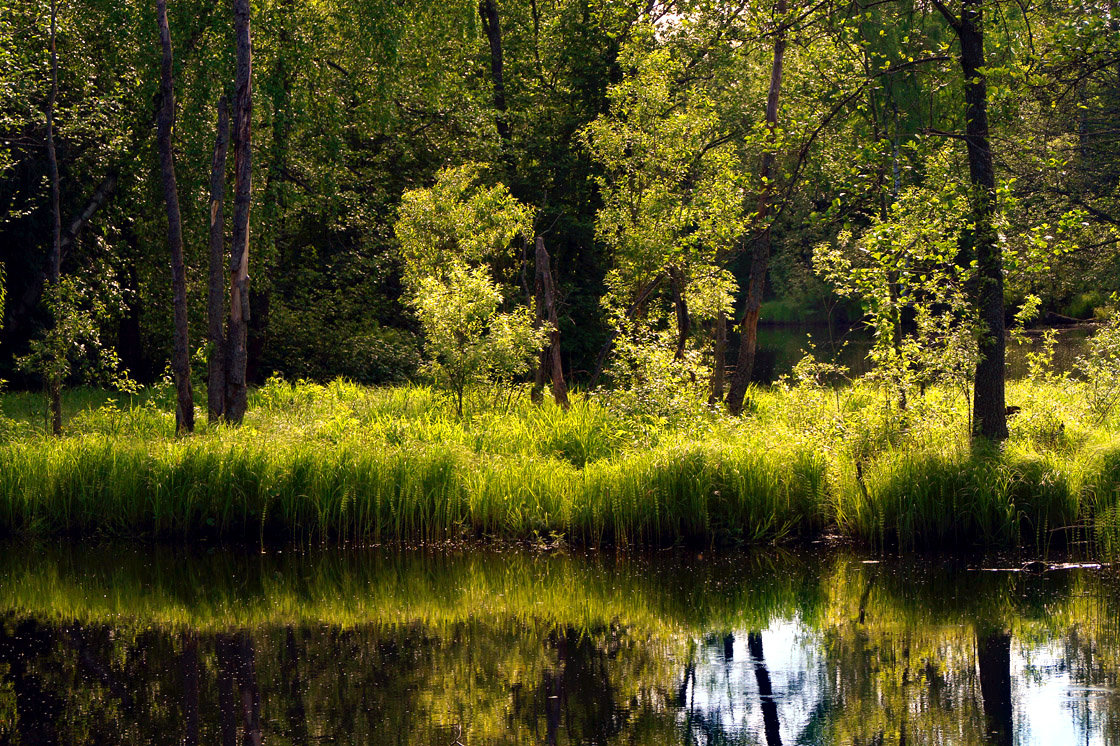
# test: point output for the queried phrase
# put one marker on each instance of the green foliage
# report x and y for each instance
(467, 340)
(905, 266)
(458, 220)
(651, 387)
(346, 462)
(72, 344)
(447, 233)
(1101, 368)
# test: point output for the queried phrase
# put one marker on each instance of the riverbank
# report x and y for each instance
(347, 463)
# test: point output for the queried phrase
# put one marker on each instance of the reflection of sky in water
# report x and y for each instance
(725, 696)
(1053, 704)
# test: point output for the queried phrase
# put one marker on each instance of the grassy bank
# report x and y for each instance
(343, 462)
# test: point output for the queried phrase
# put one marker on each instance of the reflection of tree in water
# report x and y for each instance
(901, 657)
(709, 725)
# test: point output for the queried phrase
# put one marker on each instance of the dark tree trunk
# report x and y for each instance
(550, 366)
(979, 243)
(760, 259)
(488, 12)
(225, 648)
(180, 358)
(250, 692)
(993, 652)
(189, 665)
(238, 332)
(215, 302)
(684, 322)
(54, 380)
(989, 404)
(765, 690)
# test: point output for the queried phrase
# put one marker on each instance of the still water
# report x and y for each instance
(376, 646)
(781, 346)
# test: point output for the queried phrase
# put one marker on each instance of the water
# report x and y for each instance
(780, 347)
(374, 646)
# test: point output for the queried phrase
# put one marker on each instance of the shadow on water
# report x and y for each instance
(155, 645)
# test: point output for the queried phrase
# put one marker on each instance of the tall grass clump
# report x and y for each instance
(346, 463)
(342, 462)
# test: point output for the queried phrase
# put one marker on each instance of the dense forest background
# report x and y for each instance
(636, 133)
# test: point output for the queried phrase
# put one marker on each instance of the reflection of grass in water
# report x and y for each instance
(656, 593)
(362, 587)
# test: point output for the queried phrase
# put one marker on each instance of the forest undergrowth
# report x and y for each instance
(347, 463)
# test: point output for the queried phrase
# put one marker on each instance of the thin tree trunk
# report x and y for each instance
(760, 259)
(684, 321)
(180, 358)
(719, 358)
(216, 306)
(770, 721)
(550, 364)
(189, 667)
(54, 379)
(238, 332)
(491, 25)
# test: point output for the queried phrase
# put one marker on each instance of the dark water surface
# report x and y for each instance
(376, 646)
(781, 346)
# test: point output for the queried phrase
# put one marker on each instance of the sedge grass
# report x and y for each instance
(341, 462)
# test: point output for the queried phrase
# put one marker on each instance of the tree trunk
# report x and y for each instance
(684, 322)
(550, 366)
(189, 669)
(760, 259)
(236, 400)
(180, 358)
(215, 305)
(989, 404)
(719, 358)
(54, 380)
(488, 12)
(770, 721)
(993, 653)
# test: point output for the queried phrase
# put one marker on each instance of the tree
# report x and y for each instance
(979, 242)
(215, 302)
(180, 361)
(760, 258)
(671, 209)
(448, 233)
(550, 366)
(237, 333)
(54, 377)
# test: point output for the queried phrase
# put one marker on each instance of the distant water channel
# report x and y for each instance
(436, 648)
(781, 346)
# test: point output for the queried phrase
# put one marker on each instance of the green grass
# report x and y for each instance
(342, 462)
